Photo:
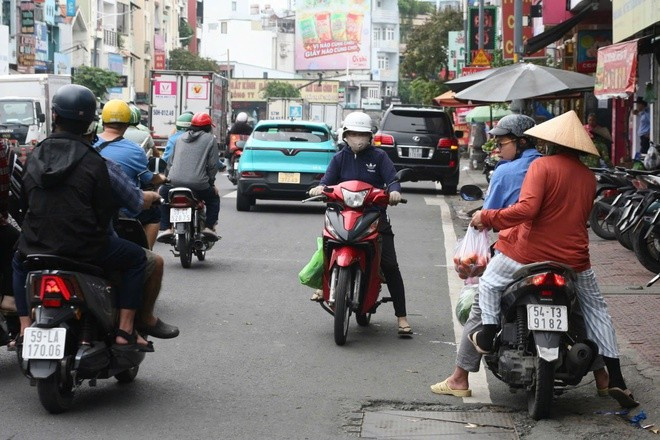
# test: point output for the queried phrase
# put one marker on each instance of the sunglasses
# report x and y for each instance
(499, 144)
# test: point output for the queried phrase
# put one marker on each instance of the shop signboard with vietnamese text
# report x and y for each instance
(4, 50)
(333, 35)
(159, 61)
(588, 43)
(456, 53)
(508, 48)
(616, 71)
(490, 26)
(252, 90)
(41, 48)
(632, 16)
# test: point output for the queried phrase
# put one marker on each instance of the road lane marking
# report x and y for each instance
(231, 195)
(478, 380)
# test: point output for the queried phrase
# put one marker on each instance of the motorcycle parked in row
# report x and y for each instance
(236, 144)
(538, 348)
(74, 326)
(352, 277)
(610, 184)
(188, 217)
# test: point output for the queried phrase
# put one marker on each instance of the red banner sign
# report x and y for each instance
(159, 61)
(507, 29)
(616, 70)
(469, 70)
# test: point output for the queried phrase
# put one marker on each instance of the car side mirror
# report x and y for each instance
(471, 193)
(374, 129)
(404, 175)
(459, 133)
(42, 118)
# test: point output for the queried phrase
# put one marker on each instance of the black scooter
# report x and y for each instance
(74, 326)
(538, 348)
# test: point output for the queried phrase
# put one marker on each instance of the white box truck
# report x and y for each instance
(25, 106)
(325, 112)
(174, 92)
(287, 108)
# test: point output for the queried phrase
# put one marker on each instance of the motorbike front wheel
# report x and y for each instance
(185, 249)
(55, 393)
(363, 319)
(601, 227)
(539, 397)
(342, 307)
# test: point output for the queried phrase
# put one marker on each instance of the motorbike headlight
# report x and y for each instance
(331, 229)
(354, 199)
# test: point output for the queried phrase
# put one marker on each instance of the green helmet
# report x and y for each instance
(184, 120)
(136, 115)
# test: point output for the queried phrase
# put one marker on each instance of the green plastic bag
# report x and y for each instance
(312, 274)
(464, 304)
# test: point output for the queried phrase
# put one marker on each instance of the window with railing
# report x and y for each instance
(109, 37)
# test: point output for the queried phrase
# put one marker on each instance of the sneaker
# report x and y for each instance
(165, 236)
(317, 296)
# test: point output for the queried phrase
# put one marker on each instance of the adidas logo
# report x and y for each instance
(371, 167)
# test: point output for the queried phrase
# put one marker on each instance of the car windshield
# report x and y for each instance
(290, 133)
(16, 112)
(417, 122)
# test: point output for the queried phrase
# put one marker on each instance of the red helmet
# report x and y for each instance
(201, 119)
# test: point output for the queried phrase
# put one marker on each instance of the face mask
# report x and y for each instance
(357, 142)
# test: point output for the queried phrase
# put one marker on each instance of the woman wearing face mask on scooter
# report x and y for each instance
(357, 159)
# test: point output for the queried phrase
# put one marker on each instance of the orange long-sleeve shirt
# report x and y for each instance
(549, 221)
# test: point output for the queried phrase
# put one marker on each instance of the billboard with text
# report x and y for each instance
(333, 35)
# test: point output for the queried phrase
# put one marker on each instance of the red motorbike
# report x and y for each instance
(236, 144)
(351, 246)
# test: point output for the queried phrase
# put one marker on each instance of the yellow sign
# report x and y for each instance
(252, 89)
(481, 59)
(632, 16)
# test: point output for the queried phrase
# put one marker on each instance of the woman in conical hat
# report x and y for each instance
(549, 223)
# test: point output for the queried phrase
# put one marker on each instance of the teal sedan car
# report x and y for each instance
(282, 160)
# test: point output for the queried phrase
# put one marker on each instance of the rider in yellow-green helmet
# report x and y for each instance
(182, 125)
(138, 133)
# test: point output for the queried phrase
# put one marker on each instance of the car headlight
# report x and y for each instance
(354, 199)
(331, 229)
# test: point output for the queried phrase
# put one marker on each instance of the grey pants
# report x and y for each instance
(469, 359)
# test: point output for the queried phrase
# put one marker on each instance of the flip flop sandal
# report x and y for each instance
(132, 345)
(14, 344)
(626, 400)
(405, 331)
(444, 389)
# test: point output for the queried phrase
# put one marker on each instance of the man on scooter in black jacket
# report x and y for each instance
(69, 201)
(359, 160)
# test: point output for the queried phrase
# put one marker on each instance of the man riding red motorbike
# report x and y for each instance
(358, 160)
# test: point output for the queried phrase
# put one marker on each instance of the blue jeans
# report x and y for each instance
(211, 199)
(119, 255)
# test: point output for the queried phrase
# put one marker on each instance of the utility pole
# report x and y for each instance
(481, 24)
(517, 30)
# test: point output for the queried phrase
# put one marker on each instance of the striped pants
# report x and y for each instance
(499, 274)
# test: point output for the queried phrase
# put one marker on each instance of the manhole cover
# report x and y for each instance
(431, 424)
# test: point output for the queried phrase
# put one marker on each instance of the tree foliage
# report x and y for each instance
(422, 90)
(279, 89)
(96, 79)
(408, 10)
(185, 32)
(426, 48)
(182, 59)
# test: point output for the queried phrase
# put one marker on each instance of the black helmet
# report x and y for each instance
(75, 102)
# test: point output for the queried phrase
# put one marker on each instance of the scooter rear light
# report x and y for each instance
(181, 200)
(539, 280)
(549, 279)
(53, 286)
(51, 303)
(560, 281)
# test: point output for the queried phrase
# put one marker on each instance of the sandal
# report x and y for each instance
(444, 388)
(132, 344)
(624, 397)
(405, 331)
(14, 344)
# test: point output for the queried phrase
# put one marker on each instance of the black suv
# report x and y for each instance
(421, 138)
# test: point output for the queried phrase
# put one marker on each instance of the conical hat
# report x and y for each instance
(565, 130)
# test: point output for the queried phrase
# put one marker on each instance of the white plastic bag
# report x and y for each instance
(472, 253)
(652, 159)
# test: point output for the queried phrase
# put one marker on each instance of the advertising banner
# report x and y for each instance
(631, 16)
(251, 90)
(26, 50)
(616, 71)
(333, 35)
(490, 26)
(159, 60)
(115, 64)
(456, 53)
(588, 43)
(27, 18)
(507, 29)
(70, 8)
(41, 52)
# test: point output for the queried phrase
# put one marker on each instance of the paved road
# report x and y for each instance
(257, 360)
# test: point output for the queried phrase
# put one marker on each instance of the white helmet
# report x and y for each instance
(357, 121)
(242, 117)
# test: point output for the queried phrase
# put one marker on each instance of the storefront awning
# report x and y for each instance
(616, 70)
(553, 34)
